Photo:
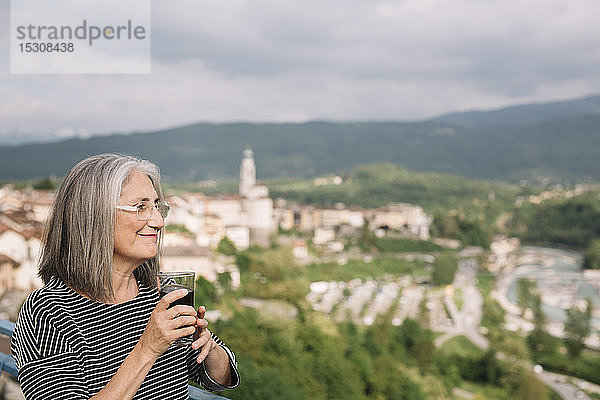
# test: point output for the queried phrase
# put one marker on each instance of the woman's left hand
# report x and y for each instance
(202, 336)
(216, 362)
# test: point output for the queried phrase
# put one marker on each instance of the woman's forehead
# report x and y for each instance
(139, 188)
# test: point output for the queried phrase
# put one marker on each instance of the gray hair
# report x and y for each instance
(78, 242)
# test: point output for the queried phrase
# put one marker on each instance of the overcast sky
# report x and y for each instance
(281, 60)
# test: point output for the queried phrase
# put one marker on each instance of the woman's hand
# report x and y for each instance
(216, 360)
(202, 336)
(164, 326)
(167, 324)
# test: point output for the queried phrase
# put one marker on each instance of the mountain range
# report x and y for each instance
(550, 142)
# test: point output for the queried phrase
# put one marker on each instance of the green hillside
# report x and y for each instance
(465, 209)
(376, 185)
(534, 143)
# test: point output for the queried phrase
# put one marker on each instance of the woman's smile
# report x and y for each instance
(151, 235)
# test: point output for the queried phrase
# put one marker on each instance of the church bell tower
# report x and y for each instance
(247, 173)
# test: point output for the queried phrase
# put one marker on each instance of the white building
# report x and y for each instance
(299, 249)
(331, 217)
(245, 219)
(187, 210)
(189, 258)
(21, 246)
(407, 219)
(255, 202)
(503, 253)
(8, 267)
(323, 235)
(403, 217)
(202, 261)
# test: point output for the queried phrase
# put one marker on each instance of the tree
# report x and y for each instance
(539, 318)
(490, 364)
(47, 183)
(367, 241)
(264, 382)
(423, 353)
(511, 376)
(592, 255)
(532, 388)
(205, 293)
(572, 222)
(224, 280)
(469, 231)
(444, 268)
(539, 341)
(525, 293)
(243, 261)
(227, 247)
(577, 328)
(391, 381)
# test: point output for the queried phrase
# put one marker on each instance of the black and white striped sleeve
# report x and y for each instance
(197, 372)
(48, 367)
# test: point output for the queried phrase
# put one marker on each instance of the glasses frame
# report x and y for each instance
(163, 209)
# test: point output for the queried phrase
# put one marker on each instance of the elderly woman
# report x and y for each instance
(97, 329)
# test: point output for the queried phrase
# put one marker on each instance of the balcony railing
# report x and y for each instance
(7, 364)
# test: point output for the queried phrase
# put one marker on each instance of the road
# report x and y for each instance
(409, 304)
(466, 321)
(362, 292)
(383, 301)
(562, 386)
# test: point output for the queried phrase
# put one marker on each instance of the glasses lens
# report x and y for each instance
(145, 211)
(163, 209)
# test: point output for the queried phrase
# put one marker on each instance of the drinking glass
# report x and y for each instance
(171, 281)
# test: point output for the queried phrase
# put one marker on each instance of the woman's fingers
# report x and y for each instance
(201, 341)
(167, 299)
(167, 324)
(202, 323)
(203, 338)
(172, 322)
(205, 343)
(179, 310)
(181, 318)
(185, 331)
(181, 321)
(203, 353)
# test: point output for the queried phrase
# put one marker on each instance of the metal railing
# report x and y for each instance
(7, 364)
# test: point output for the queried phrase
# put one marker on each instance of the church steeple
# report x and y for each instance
(248, 153)
(247, 172)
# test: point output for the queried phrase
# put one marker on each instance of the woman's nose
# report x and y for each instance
(156, 221)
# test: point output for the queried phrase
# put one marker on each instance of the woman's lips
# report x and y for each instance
(152, 235)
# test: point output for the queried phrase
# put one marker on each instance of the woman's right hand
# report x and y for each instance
(166, 325)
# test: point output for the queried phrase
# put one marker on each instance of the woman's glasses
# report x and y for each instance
(145, 210)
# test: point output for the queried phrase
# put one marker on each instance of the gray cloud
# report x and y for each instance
(343, 60)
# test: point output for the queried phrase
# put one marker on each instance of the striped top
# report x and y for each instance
(66, 346)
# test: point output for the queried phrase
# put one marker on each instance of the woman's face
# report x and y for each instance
(136, 241)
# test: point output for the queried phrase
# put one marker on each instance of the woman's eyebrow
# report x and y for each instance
(145, 200)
